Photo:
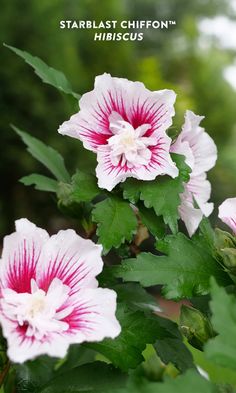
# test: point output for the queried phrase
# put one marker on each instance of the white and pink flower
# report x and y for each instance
(201, 154)
(125, 125)
(227, 213)
(49, 294)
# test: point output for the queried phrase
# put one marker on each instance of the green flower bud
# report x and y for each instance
(224, 239)
(195, 326)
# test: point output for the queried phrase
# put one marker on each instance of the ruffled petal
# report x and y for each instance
(160, 163)
(190, 215)
(200, 188)
(21, 252)
(227, 213)
(22, 348)
(91, 125)
(93, 316)
(70, 258)
(197, 192)
(203, 148)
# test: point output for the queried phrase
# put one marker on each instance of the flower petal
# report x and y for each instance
(22, 348)
(70, 258)
(93, 317)
(198, 191)
(190, 215)
(91, 125)
(200, 188)
(21, 252)
(202, 146)
(227, 213)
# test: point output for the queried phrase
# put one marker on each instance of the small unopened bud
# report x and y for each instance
(224, 239)
(195, 326)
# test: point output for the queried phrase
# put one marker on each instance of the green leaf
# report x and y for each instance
(40, 182)
(48, 74)
(32, 375)
(185, 272)
(84, 187)
(138, 330)
(154, 224)
(171, 349)
(163, 193)
(222, 348)
(136, 296)
(131, 189)
(94, 377)
(191, 381)
(116, 222)
(48, 156)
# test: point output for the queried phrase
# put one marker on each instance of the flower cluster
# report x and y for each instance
(49, 294)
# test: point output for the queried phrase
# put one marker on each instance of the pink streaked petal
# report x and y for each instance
(110, 175)
(79, 127)
(22, 348)
(93, 316)
(70, 258)
(151, 107)
(227, 213)
(91, 124)
(21, 252)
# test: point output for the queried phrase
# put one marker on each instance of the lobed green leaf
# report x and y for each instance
(116, 222)
(185, 272)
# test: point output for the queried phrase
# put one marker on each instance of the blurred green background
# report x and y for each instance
(185, 58)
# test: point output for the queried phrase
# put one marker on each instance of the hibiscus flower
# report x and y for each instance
(227, 213)
(201, 154)
(125, 125)
(49, 294)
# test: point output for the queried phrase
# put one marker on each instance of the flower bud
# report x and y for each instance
(195, 326)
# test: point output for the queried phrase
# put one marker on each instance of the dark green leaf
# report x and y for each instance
(32, 375)
(94, 377)
(48, 156)
(40, 182)
(84, 187)
(136, 296)
(154, 224)
(138, 329)
(48, 74)
(131, 189)
(184, 272)
(171, 349)
(163, 193)
(222, 348)
(116, 222)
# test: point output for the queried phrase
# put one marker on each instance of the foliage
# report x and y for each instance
(151, 353)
